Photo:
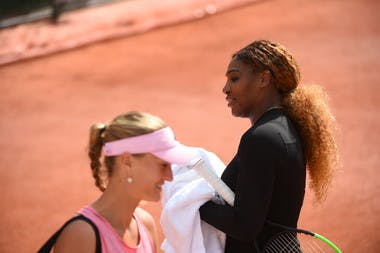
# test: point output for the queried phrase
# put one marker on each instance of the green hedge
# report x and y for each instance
(10, 8)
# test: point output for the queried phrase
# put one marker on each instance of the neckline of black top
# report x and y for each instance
(268, 114)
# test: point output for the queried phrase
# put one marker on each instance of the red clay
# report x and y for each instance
(47, 105)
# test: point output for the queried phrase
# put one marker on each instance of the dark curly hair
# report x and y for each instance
(306, 106)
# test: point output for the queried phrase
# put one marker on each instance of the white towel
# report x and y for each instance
(185, 232)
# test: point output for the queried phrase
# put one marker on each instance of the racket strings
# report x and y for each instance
(309, 244)
(283, 243)
(291, 242)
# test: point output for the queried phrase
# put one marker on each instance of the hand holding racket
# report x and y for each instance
(290, 240)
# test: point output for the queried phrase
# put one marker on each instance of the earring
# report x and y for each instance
(129, 180)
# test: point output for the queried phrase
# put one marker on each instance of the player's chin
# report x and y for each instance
(155, 196)
(237, 112)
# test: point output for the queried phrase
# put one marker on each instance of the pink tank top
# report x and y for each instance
(111, 241)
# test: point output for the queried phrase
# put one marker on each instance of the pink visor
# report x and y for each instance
(160, 143)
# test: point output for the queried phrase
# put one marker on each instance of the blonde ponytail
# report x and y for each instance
(95, 151)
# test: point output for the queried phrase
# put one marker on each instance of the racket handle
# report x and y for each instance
(219, 186)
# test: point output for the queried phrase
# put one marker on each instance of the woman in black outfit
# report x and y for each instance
(291, 131)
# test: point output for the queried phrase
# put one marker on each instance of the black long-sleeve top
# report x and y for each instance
(268, 177)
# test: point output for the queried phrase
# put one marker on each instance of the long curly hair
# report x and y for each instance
(305, 105)
(123, 126)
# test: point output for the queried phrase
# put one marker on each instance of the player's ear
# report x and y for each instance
(125, 159)
(265, 78)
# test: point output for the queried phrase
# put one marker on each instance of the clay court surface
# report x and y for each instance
(177, 72)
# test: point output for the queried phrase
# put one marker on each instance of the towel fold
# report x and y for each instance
(184, 231)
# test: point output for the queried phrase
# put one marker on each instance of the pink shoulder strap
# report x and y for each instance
(146, 241)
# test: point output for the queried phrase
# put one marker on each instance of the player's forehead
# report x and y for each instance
(237, 66)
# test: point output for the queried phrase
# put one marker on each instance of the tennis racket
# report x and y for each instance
(219, 186)
(290, 240)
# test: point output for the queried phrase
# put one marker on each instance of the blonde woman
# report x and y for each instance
(138, 150)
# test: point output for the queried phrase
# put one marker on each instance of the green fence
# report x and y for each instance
(12, 8)
(14, 12)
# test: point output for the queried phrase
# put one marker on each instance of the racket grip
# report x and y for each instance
(219, 186)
